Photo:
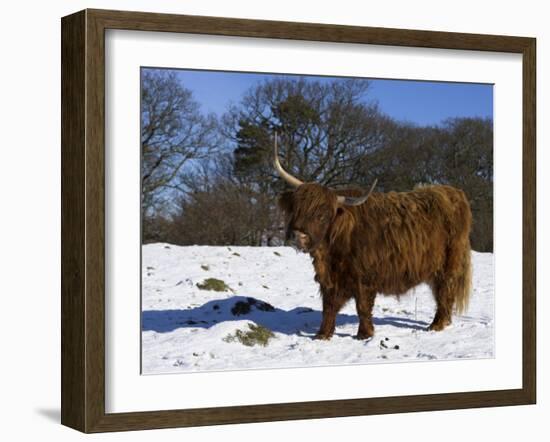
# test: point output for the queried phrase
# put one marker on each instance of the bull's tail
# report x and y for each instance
(463, 281)
(459, 273)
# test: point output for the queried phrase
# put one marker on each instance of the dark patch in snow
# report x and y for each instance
(421, 355)
(245, 307)
(241, 308)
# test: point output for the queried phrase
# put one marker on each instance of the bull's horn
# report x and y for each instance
(284, 174)
(356, 201)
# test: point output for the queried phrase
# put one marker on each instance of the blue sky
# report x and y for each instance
(419, 102)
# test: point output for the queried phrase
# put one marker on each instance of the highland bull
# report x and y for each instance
(387, 243)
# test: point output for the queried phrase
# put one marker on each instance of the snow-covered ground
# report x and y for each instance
(185, 328)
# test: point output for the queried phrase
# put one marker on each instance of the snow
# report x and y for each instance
(186, 329)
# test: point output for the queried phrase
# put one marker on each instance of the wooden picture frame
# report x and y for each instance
(83, 220)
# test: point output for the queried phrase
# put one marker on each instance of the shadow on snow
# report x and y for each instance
(299, 320)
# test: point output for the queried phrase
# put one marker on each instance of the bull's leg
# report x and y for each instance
(332, 303)
(364, 302)
(443, 295)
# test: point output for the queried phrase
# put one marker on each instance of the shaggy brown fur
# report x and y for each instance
(388, 245)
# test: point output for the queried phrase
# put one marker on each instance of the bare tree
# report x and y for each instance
(325, 129)
(218, 209)
(174, 133)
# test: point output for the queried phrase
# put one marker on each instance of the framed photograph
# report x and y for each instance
(269, 220)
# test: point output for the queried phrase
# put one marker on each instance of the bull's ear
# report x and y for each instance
(286, 201)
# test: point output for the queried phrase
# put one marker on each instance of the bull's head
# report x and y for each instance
(311, 208)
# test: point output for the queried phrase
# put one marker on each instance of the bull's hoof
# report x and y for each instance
(363, 336)
(439, 325)
(322, 337)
